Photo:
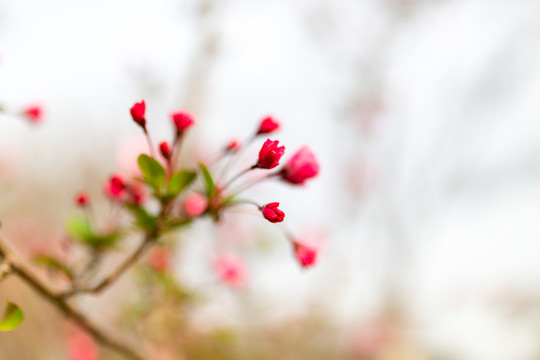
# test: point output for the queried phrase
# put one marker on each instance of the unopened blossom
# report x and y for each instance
(160, 259)
(233, 145)
(115, 187)
(137, 193)
(81, 199)
(305, 254)
(138, 114)
(271, 212)
(195, 204)
(301, 166)
(231, 270)
(182, 121)
(270, 154)
(82, 346)
(268, 125)
(33, 113)
(165, 150)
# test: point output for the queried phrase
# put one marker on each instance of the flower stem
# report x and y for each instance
(150, 145)
(240, 174)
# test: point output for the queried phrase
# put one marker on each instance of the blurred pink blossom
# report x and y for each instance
(195, 204)
(82, 346)
(231, 270)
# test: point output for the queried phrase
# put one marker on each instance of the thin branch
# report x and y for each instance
(61, 304)
(5, 269)
(105, 283)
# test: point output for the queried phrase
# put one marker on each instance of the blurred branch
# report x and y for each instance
(5, 269)
(105, 283)
(61, 303)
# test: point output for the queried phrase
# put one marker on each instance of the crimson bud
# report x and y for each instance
(301, 166)
(270, 154)
(115, 187)
(165, 150)
(137, 113)
(268, 125)
(81, 199)
(304, 254)
(33, 113)
(181, 120)
(271, 212)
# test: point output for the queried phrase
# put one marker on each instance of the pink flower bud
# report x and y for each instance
(231, 270)
(301, 166)
(195, 204)
(82, 346)
(33, 113)
(233, 145)
(81, 199)
(268, 125)
(306, 255)
(115, 187)
(271, 212)
(182, 120)
(165, 150)
(137, 113)
(160, 259)
(270, 154)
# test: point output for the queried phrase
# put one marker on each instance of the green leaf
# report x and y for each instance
(52, 263)
(79, 229)
(12, 318)
(105, 241)
(179, 181)
(210, 185)
(153, 172)
(142, 218)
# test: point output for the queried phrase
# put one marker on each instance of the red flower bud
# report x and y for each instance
(81, 199)
(137, 194)
(137, 113)
(270, 154)
(115, 187)
(272, 213)
(233, 145)
(306, 255)
(195, 205)
(268, 125)
(33, 113)
(301, 166)
(181, 120)
(165, 150)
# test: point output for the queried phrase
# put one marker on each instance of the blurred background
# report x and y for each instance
(424, 115)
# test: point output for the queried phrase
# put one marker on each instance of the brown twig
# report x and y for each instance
(61, 303)
(116, 274)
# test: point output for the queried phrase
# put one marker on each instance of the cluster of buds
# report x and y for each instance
(174, 188)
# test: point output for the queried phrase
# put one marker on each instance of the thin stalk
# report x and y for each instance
(240, 174)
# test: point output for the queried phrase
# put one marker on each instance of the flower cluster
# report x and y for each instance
(163, 181)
